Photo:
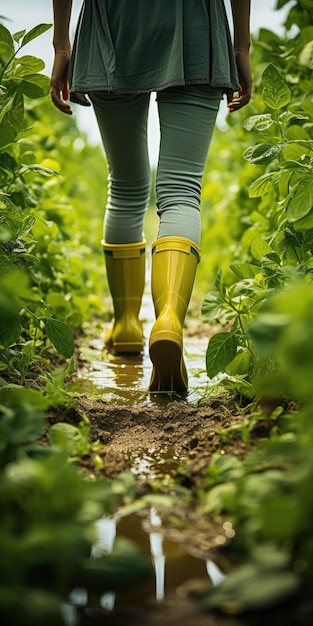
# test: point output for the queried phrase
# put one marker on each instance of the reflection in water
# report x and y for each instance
(124, 379)
(214, 572)
(172, 564)
(156, 547)
(160, 552)
(79, 597)
(106, 531)
(155, 463)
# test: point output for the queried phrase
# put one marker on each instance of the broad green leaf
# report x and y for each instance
(297, 166)
(221, 351)
(61, 335)
(21, 396)
(44, 171)
(240, 365)
(306, 56)
(35, 85)
(26, 225)
(305, 143)
(6, 53)
(260, 248)
(218, 283)
(6, 108)
(271, 257)
(6, 37)
(17, 36)
(35, 32)
(213, 309)
(305, 223)
(263, 153)
(266, 329)
(287, 116)
(6, 266)
(306, 106)
(10, 330)
(66, 436)
(259, 122)
(7, 134)
(301, 202)
(262, 185)
(14, 116)
(245, 270)
(7, 162)
(28, 65)
(294, 151)
(220, 498)
(269, 38)
(276, 94)
(284, 183)
(251, 587)
(12, 121)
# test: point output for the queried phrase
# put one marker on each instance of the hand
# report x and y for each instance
(245, 79)
(59, 80)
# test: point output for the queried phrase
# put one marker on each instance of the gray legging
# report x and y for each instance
(187, 116)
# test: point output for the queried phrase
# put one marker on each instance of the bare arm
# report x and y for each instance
(241, 20)
(62, 10)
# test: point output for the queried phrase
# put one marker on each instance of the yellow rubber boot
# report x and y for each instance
(174, 264)
(125, 267)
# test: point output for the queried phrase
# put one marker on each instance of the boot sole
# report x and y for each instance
(169, 372)
(134, 343)
(126, 348)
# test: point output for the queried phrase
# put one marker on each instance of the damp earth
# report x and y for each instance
(152, 436)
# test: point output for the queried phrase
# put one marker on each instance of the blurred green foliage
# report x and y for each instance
(264, 298)
(50, 215)
(271, 242)
(50, 283)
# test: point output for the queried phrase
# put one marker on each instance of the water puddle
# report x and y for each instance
(155, 463)
(125, 379)
(174, 567)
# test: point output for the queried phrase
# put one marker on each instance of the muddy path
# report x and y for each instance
(154, 437)
(140, 429)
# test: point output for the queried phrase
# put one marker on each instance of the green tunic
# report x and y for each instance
(133, 46)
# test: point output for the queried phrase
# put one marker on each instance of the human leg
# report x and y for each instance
(122, 122)
(187, 119)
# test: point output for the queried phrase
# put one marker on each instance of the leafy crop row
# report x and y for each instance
(47, 288)
(50, 283)
(275, 224)
(264, 299)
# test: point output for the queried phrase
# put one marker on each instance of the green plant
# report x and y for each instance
(76, 441)
(267, 312)
(47, 519)
(284, 253)
(267, 495)
(23, 311)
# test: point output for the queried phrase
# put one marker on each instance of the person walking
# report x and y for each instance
(123, 51)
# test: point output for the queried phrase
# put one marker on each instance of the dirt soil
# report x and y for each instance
(170, 436)
(160, 441)
(191, 434)
(185, 431)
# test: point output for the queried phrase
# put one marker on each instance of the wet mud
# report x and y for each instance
(154, 436)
